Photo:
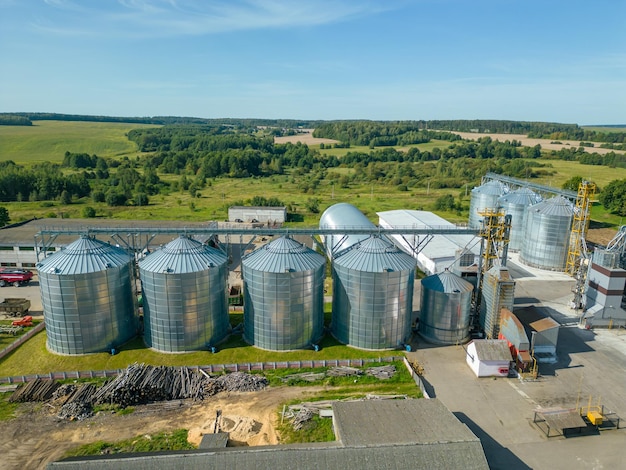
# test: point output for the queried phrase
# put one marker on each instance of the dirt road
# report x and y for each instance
(37, 437)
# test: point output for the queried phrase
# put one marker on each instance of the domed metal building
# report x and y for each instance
(184, 296)
(87, 297)
(372, 295)
(547, 233)
(446, 309)
(283, 296)
(343, 215)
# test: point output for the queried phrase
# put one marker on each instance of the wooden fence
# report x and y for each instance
(211, 368)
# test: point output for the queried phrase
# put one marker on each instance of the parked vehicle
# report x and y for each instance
(17, 277)
(25, 321)
(14, 307)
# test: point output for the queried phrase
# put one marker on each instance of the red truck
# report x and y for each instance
(17, 277)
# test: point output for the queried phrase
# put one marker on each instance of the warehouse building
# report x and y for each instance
(434, 253)
(372, 434)
(252, 214)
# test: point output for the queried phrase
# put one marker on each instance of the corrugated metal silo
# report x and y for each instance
(515, 203)
(87, 298)
(446, 309)
(283, 296)
(547, 233)
(184, 296)
(343, 215)
(498, 292)
(484, 197)
(373, 295)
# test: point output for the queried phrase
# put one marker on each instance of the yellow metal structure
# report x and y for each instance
(580, 224)
(495, 233)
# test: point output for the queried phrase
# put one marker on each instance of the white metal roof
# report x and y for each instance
(441, 246)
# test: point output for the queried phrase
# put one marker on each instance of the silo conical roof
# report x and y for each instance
(85, 255)
(447, 283)
(283, 254)
(557, 206)
(375, 255)
(183, 255)
(492, 187)
(521, 196)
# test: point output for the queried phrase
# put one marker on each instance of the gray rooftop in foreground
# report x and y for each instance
(385, 434)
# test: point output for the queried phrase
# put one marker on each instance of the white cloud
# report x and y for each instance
(158, 18)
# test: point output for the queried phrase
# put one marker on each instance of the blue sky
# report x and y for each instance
(544, 60)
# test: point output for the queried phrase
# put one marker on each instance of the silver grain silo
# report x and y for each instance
(343, 215)
(283, 296)
(515, 203)
(498, 292)
(87, 298)
(446, 309)
(373, 295)
(484, 197)
(184, 296)
(547, 233)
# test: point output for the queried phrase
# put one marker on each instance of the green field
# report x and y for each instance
(340, 152)
(604, 129)
(49, 140)
(233, 351)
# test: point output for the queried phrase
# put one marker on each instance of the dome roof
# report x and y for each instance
(557, 206)
(85, 255)
(283, 254)
(183, 255)
(447, 283)
(492, 187)
(521, 196)
(375, 255)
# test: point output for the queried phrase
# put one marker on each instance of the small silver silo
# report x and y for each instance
(484, 197)
(446, 309)
(515, 203)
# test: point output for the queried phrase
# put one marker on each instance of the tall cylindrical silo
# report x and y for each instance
(87, 297)
(484, 197)
(283, 296)
(515, 203)
(184, 296)
(446, 309)
(547, 233)
(343, 215)
(373, 295)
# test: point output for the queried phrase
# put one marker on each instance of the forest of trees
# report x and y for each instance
(196, 153)
(13, 120)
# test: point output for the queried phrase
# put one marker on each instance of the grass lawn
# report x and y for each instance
(33, 357)
(49, 140)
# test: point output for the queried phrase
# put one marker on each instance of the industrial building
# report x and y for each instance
(543, 332)
(87, 297)
(273, 216)
(488, 357)
(498, 292)
(603, 306)
(184, 296)
(512, 330)
(283, 296)
(434, 253)
(372, 434)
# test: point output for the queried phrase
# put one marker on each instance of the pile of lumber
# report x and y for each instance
(137, 384)
(37, 390)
